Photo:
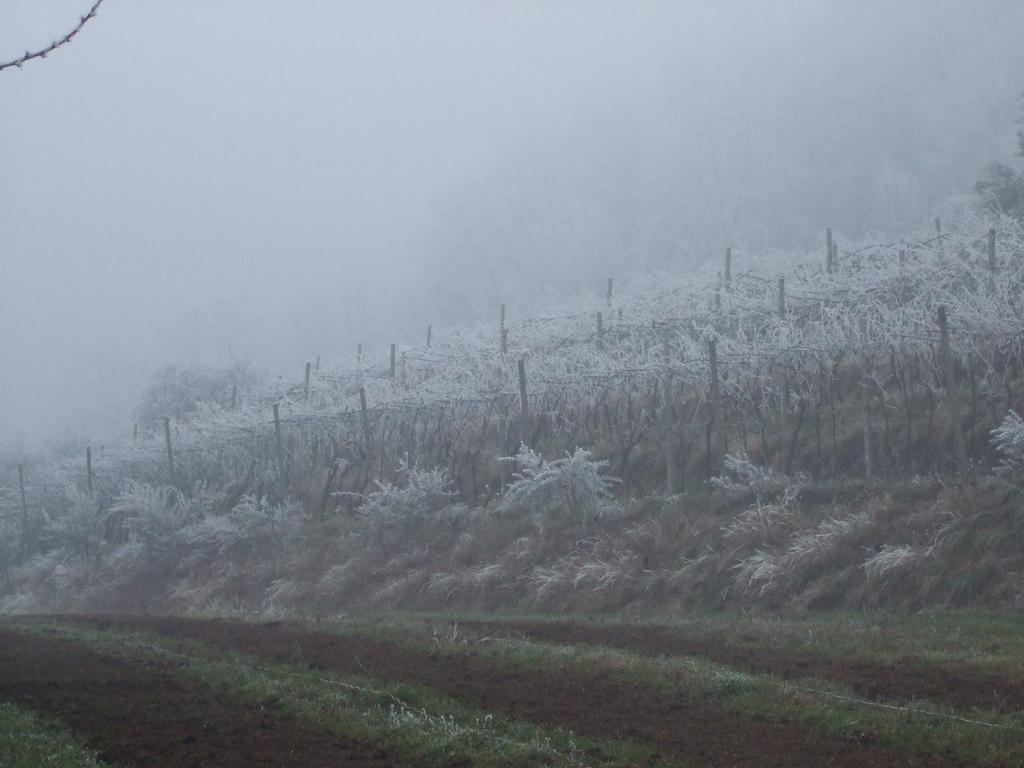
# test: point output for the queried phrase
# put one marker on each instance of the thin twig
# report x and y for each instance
(44, 52)
(905, 710)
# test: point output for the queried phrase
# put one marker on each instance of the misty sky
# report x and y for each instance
(208, 182)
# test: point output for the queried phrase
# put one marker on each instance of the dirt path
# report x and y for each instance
(132, 714)
(595, 704)
(910, 679)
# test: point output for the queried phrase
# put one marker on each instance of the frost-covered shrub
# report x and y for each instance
(391, 506)
(770, 568)
(756, 575)
(152, 514)
(253, 528)
(742, 476)
(581, 571)
(575, 486)
(76, 529)
(760, 523)
(1008, 438)
(890, 560)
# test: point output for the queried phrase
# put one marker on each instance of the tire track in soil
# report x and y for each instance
(910, 679)
(132, 713)
(595, 704)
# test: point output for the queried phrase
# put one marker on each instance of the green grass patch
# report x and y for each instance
(976, 738)
(425, 727)
(28, 740)
(983, 641)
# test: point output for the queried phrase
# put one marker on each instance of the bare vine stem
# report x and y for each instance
(42, 53)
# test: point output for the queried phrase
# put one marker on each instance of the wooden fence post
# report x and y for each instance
(727, 275)
(717, 452)
(278, 445)
(502, 336)
(21, 487)
(306, 392)
(393, 361)
(668, 427)
(782, 298)
(524, 405)
(865, 365)
(365, 416)
(170, 455)
(430, 328)
(951, 392)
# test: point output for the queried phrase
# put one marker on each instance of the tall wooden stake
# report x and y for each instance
(951, 392)
(365, 416)
(170, 455)
(430, 328)
(865, 365)
(715, 402)
(278, 444)
(727, 275)
(524, 405)
(308, 367)
(21, 487)
(782, 298)
(673, 484)
(393, 361)
(502, 337)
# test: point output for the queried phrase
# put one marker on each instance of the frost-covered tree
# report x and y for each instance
(575, 485)
(1008, 439)
(1002, 188)
(181, 392)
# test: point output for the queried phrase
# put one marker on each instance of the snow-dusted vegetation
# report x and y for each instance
(558, 454)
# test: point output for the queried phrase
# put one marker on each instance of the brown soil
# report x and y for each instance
(910, 679)
(149, 718)
(594, 703)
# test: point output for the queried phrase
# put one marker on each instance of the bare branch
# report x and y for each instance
(44, 52)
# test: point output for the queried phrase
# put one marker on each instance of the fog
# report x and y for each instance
(206, 183)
